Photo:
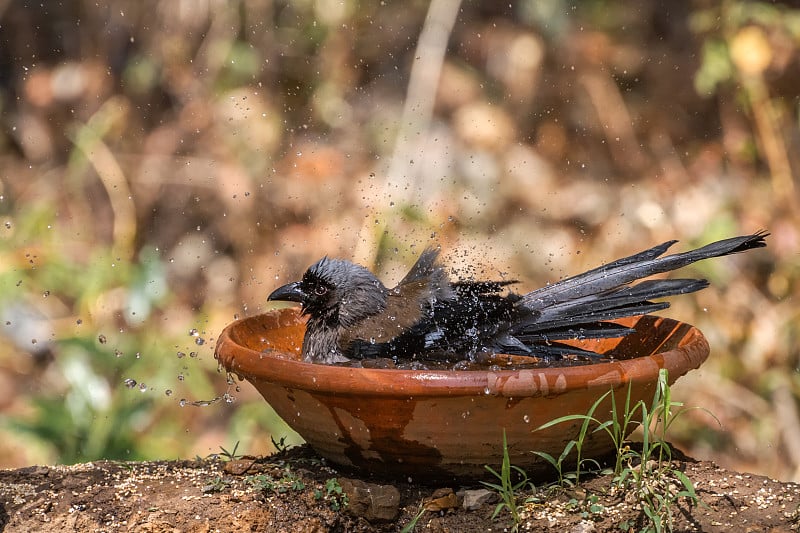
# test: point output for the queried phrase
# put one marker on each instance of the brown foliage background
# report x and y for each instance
(164, 165)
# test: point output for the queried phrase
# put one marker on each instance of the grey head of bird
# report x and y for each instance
(336, 293)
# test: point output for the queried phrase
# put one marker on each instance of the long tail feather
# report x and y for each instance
(632, 268)
(573, 307)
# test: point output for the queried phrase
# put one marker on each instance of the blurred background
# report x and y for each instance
(164, 164)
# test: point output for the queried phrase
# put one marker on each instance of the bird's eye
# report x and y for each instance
(320, 290)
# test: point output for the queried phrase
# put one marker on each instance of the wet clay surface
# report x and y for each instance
(287, 492)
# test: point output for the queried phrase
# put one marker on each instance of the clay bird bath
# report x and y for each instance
(445, 424)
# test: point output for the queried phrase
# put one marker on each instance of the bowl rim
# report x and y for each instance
(269, 367)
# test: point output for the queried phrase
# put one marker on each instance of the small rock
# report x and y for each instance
(237, 467)
(584, 526)
(373, 502)
(34, 471)
(441, 500)
(475, 499)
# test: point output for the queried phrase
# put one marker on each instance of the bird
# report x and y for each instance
(352, 315)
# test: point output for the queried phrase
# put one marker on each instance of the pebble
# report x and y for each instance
(373, 502)
(475, 499)
(441, 500)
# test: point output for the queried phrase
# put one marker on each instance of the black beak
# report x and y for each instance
(290, 292)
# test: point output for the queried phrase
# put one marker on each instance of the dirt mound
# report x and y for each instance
(297, 491)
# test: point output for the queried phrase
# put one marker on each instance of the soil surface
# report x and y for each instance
(296, 491)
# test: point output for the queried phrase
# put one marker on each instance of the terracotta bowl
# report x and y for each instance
(446, 424)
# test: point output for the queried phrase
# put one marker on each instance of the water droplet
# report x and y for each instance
(182, 403)
(180, 377)
(199, 341)
(193, 332)
(180, 355)
(102, 339)
(142, 387)
(192, 354)
(527, 419)
(45, 294)
(79, 321)
(130, 383)
(486, 390)
(118, 353)
(168, 392)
